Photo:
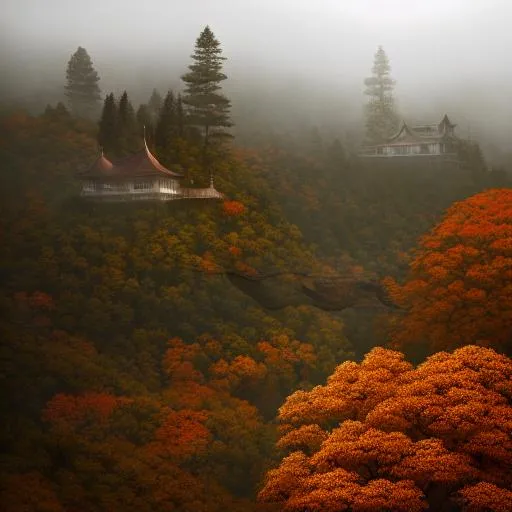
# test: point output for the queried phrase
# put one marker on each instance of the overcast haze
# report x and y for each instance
(451, 55)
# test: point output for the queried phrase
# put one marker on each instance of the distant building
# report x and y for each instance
(437, 140)
(138, 177)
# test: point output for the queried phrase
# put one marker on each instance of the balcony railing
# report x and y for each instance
(380, 153)
(163, 194)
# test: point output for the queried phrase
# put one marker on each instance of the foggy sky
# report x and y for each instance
(441, 51)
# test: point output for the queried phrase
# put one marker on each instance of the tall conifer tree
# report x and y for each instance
(205, 106)
(381, 118)
(166, 124)
(129, 138)
(82, 87)
(180, 117)
(145, 123)
(59, 114)
(108, 137)
(155, 104)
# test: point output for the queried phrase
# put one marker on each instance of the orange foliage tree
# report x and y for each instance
(182, 434)
(233, 208)
(460, 282)
(117, 445)
(382, 435)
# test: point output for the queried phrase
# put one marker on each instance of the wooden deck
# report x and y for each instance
(201, 193)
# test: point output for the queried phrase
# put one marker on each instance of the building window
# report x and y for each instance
(143, 185)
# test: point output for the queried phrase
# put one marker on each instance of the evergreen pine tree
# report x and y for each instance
(180, 117)
(59, 114)
(108, 136)
(126, 114)
(82, 88)
(166, 125)
(205, 106)
(155, 104)
(336, 152)
(381, 118)
(145, 123)
(142, 115)
(129, 137)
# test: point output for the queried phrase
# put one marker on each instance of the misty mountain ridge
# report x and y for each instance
(269, 92)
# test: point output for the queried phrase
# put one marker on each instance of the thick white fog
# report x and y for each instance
(305, 58)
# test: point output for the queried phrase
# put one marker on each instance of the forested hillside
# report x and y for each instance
(121, 360)
(134, 375)
(104, 311)
(363, 218)
(275, 278)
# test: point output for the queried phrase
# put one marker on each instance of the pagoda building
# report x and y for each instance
(138, 177)
(436, 140)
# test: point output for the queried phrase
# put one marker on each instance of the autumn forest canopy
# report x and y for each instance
(140, 372)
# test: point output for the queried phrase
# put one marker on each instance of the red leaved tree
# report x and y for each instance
(460, 282)
(233, 208)
(70, 411)
(181, 435)
(384, 436)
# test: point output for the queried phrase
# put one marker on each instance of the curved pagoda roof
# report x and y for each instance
(101, 165)
(142, 164)
(405, 134)
(424, 133)
(446, 123)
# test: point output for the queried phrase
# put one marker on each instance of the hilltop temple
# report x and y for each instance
(138, 177)
(437, 140)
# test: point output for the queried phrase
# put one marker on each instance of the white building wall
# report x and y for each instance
(169, 186)
(164, 189)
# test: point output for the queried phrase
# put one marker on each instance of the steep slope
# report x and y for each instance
(92, 294)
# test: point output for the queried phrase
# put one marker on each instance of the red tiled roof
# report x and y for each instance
(139, 165)
(101, 166)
